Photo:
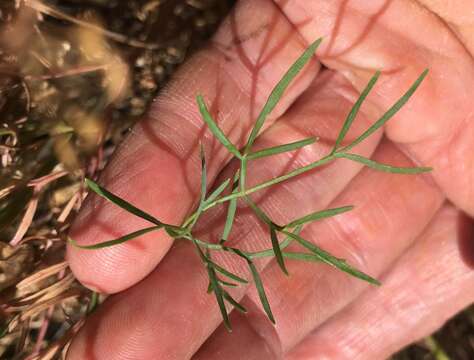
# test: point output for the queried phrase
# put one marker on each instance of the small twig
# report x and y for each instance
(41, 59)
(68, 208)
(25, 221)
(60, 345)
(38, 185)
(27, 95)
(44, 180)
(42, 332)
(41, 275)
(21, 120)
(69, 72)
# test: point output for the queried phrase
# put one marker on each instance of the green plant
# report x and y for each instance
(221, 278)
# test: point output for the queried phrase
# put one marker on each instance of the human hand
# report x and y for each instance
(402, 230)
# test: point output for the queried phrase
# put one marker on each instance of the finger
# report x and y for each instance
(169, 313)
(428, 285)
(457, 16)
(157, 167)
(403, 38)
(389, 212)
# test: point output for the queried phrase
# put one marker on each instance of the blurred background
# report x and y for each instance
(74, 77)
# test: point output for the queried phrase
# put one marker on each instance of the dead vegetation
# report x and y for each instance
(71, 85)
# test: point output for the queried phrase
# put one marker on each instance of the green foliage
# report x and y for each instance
(215, 129)
(238, 190)
(279, 89)
(281, 148)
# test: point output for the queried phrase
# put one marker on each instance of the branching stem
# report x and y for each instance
(238, 190)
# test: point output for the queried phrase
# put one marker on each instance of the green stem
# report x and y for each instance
(274, 181)
(265, 184)
(243, 173)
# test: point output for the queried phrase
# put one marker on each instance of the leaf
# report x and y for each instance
(277, 250)
(270, 252)
(234, 303)
(99, 190)
(202, 202)
(227, 273)
(318, 215)
(383, 167)
(316, 258)
(214, 284)
(215, 129)
(281, 148)
(261, 291)
(231, 210)
(203, 257)
(258, 282)
(222, 282)
(229, 219)
(243, 173)
(203, 176)
(389, 114)
(226, 283)
(217, 191)
(117, 241)
(239, 252)
(324, 256)
(354, 111)
(279, 89)
(219, 296)
(260, 213)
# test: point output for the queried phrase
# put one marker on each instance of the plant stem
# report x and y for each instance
(263, 185)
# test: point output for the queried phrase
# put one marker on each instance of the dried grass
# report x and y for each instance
(71, 86)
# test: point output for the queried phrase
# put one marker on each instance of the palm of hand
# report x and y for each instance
(402, 227)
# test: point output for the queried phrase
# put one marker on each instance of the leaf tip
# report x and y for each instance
(371, 280)
(202, 154)
(318, 41)
(201, 103)
(422, 77)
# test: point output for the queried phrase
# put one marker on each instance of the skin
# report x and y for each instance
(412, 232)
